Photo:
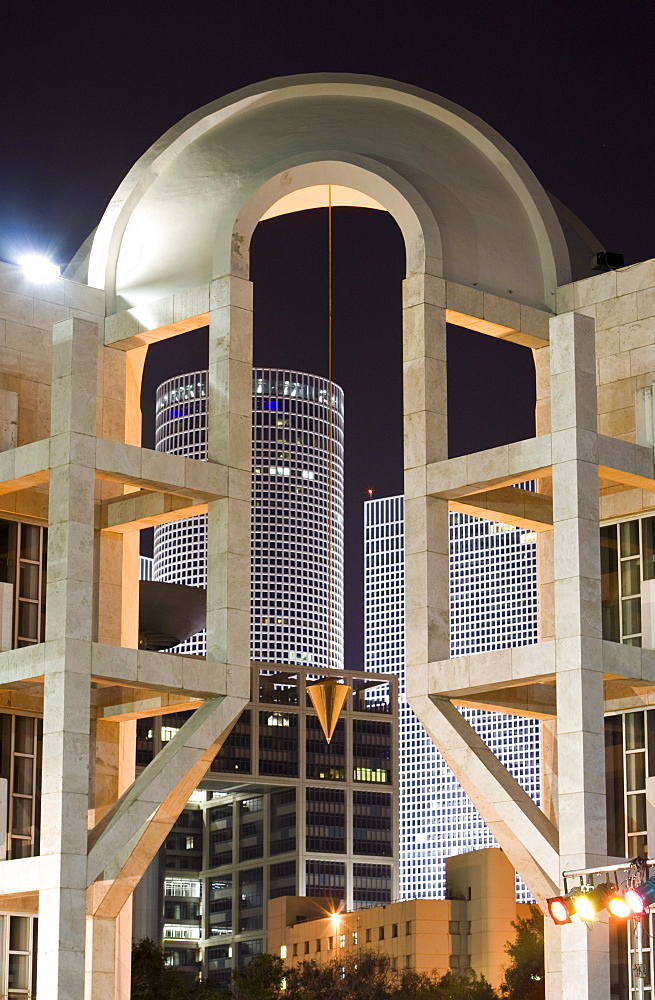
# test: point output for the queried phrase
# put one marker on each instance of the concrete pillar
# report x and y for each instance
(69, 631)
(229, 439)
(427, 627)
(578, 631)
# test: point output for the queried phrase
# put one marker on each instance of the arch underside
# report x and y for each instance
(481, 216)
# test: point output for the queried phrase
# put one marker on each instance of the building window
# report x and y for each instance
(408, 927)
(368, 935)
(380, 933)
(394, 930)
(295, 950)
(306, 947)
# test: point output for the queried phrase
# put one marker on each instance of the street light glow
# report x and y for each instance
(39, 269)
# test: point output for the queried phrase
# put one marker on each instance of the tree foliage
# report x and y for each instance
(152, 979)
(365, 976)
(525, 976)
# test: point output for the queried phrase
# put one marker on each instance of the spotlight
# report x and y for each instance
(560, 909)
(591, 900)
(619, 906)
(640, 897)
(39, 269)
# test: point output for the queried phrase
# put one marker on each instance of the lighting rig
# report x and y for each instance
(627, 899)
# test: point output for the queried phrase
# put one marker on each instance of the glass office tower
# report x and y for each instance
(290, 487)
(493, 604)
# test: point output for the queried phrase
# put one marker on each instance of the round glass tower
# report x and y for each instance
(289, 554)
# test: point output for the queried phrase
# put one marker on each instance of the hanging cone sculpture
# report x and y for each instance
(328, 698)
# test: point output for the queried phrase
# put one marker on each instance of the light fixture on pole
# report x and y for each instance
(327, 695)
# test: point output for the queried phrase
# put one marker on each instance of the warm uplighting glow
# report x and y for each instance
(316, 196)
(39, 269)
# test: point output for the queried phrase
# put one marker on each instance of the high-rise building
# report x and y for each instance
(279, 812)
(493, 604)
(295, 467)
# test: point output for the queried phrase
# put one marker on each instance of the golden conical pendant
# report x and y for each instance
(328, 698)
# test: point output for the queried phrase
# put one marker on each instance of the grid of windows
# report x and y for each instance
(289, 519)
(493, 604)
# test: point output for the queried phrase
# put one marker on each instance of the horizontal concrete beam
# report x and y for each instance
(188, 676)
(145, 509)
(156, 470)
(490, 469)
(481, 673)
(21, 468)
(509, 505)
(154, 321)
(21, 665)
(534, 701)
(622, 462)
(121, 704)
(495, 316)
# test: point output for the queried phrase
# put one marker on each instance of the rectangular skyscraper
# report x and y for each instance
(493, 604)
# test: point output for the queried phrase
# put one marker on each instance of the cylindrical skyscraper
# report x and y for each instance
(290, 488)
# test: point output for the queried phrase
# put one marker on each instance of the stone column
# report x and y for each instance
(427, 629)
(69, 632)
(229, 426)
(578, 634)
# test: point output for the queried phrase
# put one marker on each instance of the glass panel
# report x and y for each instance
(629, 531)
(633, 641)
(29, 542)
(636, 813)
(7, 551)
(650, 715)
(19, 934)
(23, 775)
(24, 734)
(614, 783)
(21, 848)
(22, 819)
(18, 972)
(648, 547)
(637, 847)
(28, 618)
(29, 581)
(636, 771)
(631, 616)
(630, 583)
(634, 731)
(610, 583)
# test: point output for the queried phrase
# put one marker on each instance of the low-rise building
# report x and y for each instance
(469, 929)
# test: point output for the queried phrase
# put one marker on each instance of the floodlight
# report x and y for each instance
(619, 906)
(640, 897)
(590, 900)
(560, 909)
(39, 269)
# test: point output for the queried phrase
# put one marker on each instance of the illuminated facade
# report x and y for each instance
(289, 524)
(493, 603)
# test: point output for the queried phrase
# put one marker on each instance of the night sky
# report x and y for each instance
(88, 88)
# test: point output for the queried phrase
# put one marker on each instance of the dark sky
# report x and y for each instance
(88, 88)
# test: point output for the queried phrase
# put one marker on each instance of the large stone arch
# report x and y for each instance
(498, 229)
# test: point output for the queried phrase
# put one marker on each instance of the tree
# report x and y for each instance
(152, 979)
(261, 980)
(464, 986)
(525, 976)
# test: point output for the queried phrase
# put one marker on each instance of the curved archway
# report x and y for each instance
(499, 231)
(423, 250)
